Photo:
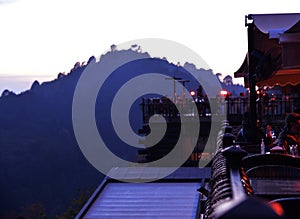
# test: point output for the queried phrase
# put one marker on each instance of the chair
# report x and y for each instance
(274, 171)
(254, 160)
(274, 176)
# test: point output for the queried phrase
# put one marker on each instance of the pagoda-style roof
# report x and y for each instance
(276, 50)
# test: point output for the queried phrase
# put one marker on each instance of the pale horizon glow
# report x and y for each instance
(40, 39)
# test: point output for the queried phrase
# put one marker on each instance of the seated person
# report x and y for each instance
(290, 135)
(249, 134)
(269, 136)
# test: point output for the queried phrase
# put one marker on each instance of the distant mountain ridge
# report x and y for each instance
(39, 155)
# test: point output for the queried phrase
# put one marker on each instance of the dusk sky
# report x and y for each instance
(40, 38)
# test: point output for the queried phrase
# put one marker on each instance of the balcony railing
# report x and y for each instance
(234, 107)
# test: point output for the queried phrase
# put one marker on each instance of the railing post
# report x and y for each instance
(252, 80)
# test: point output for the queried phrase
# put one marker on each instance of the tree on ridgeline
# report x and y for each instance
(227, 80)
(7, 92)
(35, 85)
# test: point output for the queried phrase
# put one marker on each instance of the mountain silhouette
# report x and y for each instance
(40, 159)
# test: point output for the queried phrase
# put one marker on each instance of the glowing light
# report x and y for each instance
(224, 93)
(193, 93)
(277, 208)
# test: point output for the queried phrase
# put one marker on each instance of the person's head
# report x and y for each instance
(292, 122)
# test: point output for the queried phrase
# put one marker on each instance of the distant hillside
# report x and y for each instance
(40, 158)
